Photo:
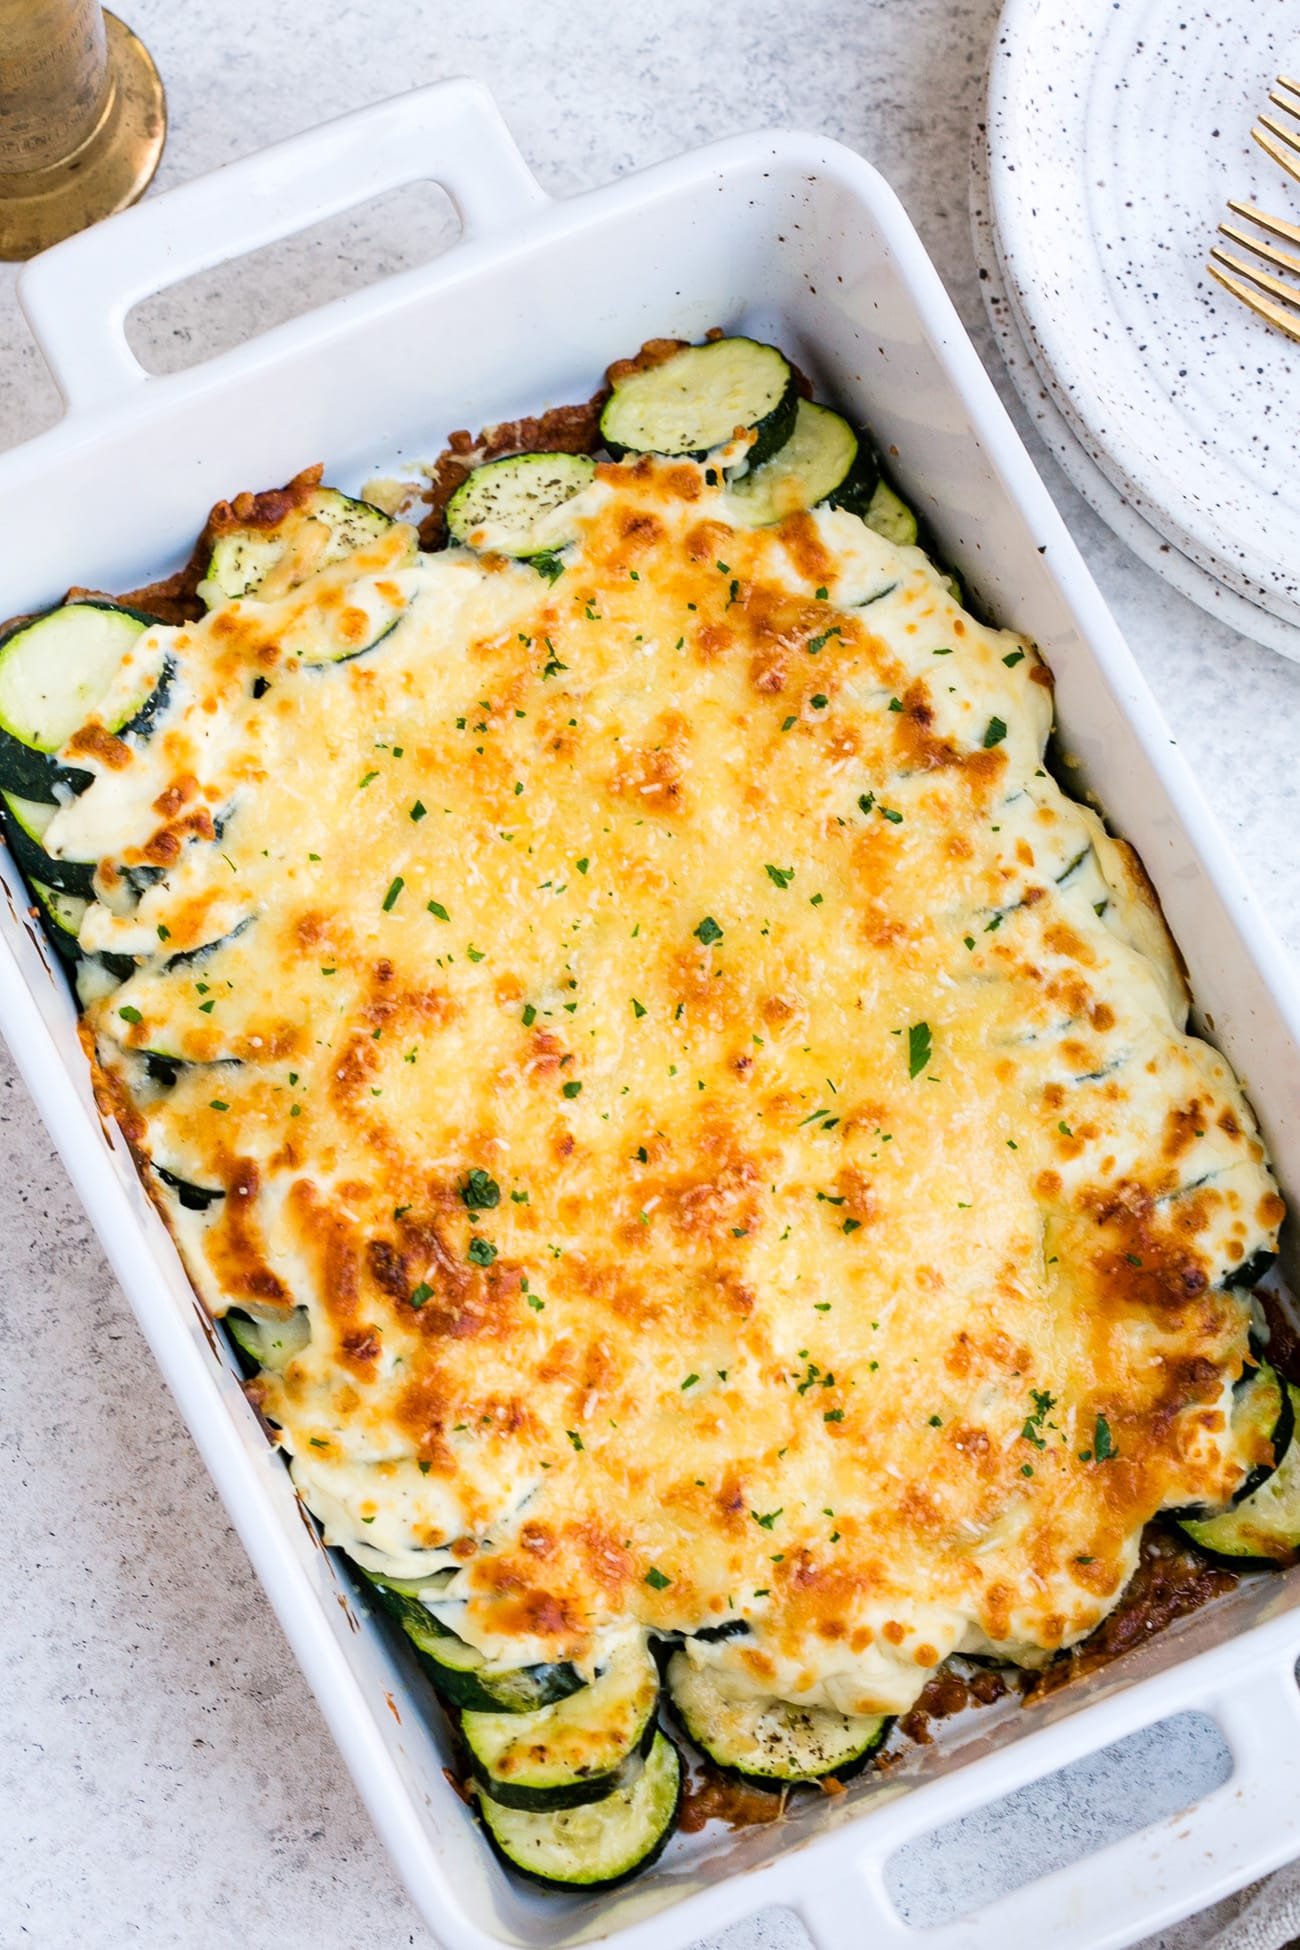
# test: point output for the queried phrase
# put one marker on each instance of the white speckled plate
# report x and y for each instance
(1117, 130)
(1146, 541)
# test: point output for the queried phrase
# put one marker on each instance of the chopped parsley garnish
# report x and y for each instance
(918, 1048)
(895, 818)
(475, 954)
(548, 565)
(529, 1016)
(366, 781)
(437, 910)
(789, 723)
(535, 1303)
(129, 1013)
(582, 864)
(480, 1191)
(1015, 657)
(164, 932)
(421, 1293)
(851, 1225)
(895, 703)
(574, 1438)
(217, 1104)
(1043, 1405)
(573, 1088)
(995, 731)
(638, 1008)
(656, 1579)
(1103, 1446)
(820, 701)
(690, 1381)
(780, 876)
(708, 931)
(482, 1252)
(866, 800)
(816, 643)
(833, 1415)
(394, 890)
(418, 811)
(765, 1522)
(820, 595)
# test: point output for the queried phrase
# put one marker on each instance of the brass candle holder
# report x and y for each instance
(83, 119)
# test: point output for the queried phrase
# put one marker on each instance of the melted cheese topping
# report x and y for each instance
(726, 1113)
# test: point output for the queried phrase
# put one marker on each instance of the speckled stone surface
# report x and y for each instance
(165, 1777)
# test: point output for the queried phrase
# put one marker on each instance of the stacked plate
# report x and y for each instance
(1116, 132)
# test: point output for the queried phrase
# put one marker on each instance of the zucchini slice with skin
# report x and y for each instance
(1264, 1528)
(580, 1749)
(887, 514)
(823, 460)
(768, 1742)
(513, 506)
(55, 672)
(1263, 1424)
(25, 821)
(197, 1198)
(601, 1843)
(462, 1673)
(269, 1343)
(694, 401)
(325, 529)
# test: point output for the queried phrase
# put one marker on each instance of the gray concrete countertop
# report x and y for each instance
(165, 1776)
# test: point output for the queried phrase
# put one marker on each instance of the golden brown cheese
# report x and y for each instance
(726, 1113)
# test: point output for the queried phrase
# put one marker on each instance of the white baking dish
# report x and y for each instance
(795, 238)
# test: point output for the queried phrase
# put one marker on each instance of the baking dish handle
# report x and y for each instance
(77, 295)
(1143, 1884)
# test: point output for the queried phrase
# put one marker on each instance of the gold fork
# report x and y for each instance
(1272, 297)
(1274, 137)
(1238, 277)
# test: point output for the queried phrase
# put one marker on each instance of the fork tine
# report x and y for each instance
(1278, 226)
(1280, 130)
(1264, 307)
(1280, 101)
(1264, 279)
(1278, 151)
(1283, 259)
(1285, 81)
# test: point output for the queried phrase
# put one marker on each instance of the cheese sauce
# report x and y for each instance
(726, 1113)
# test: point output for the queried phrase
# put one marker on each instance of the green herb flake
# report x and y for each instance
(475, 954)
(418, 811)
(421, 1293)
(816, 643)
(529, 1016)
(994, 732)
(437, 910)
(918, 1048)
(164, 932)
(820, 701)
(571, 1089)
(217, 1104)
(582, 864)
(765, 1522)
(480, 1191)
(779, 876)
(708, 931)
(638, 1008)
(894, 818)
(1014, 658)
(575, 1439)
(548, 565)
(394, 890)
(833, 1415)
(129, 1013)
(690, 1381)
(366, 781)
(895, 704)
(656, 1579)
(1103, 1444)
(205, 1008)
(535, 1303)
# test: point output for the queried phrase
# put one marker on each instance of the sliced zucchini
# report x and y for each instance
(25, 821)
(194, 1198)
(823, 460)
(697, 399)
(512, 507)
(769, 1742)
(1251, 1270)
(463, 1674)
(1263, 1424)
(889, 515)
(604, 1842)
(326, 528)
(62, 915)
(270, 1343)
(55, 672)
(577, 1750)
(1265, 1526)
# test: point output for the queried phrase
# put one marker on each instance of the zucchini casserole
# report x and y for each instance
(692, 1130)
